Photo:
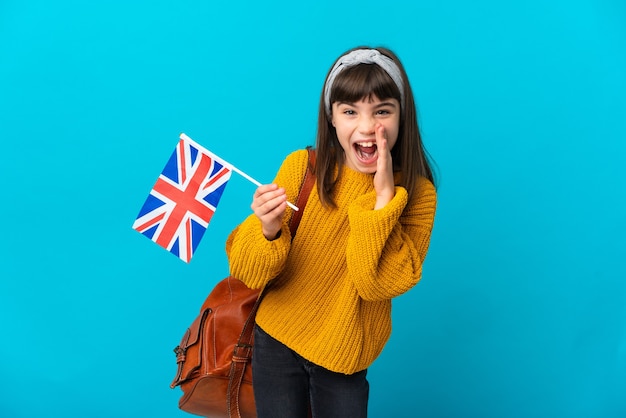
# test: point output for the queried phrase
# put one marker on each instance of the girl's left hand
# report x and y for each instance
(383, 179)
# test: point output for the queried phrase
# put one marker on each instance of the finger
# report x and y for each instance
(266, 193)
(268, 201)
(381, 133)
(278, 210)
(261, 190)
(274, 201)
(381, 138)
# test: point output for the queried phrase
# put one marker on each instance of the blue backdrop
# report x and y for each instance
(522, 308)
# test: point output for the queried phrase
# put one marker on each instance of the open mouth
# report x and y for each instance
(366, 151)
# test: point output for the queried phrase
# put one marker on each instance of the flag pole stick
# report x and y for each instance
(235, 169)
(238, 171)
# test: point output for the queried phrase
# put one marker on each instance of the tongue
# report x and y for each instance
(367, 152)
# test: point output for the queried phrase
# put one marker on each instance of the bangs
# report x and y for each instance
(362, 82)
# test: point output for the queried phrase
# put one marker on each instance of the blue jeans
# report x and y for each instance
(285, 384)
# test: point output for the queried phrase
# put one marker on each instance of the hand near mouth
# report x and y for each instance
(383, 179)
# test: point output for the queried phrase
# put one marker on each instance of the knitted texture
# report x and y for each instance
(330, 300)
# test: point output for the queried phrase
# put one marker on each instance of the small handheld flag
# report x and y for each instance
(179, 207)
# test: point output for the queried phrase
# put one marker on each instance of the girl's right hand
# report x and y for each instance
(269, 204)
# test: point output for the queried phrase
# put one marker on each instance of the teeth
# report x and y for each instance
(367, 144)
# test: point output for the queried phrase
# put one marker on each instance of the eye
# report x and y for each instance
(349, 112)
(383, 112)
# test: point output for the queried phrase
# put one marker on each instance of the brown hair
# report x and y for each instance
(362, 81)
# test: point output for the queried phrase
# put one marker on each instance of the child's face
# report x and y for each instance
(355, 124)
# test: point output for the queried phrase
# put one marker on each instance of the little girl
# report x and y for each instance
(362, 240)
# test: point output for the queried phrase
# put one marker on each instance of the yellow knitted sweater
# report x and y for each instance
(331, 298)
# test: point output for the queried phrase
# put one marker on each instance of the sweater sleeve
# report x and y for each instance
(252, 258)
(386, 247)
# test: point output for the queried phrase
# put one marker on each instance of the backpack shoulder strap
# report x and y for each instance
(305, 190)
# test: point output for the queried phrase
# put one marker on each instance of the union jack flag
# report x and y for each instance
(180, 205)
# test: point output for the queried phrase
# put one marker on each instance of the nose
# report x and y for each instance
(367, 125)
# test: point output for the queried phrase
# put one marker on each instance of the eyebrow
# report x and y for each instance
(381, 104)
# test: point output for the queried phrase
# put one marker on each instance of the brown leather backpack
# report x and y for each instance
(214, 355)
